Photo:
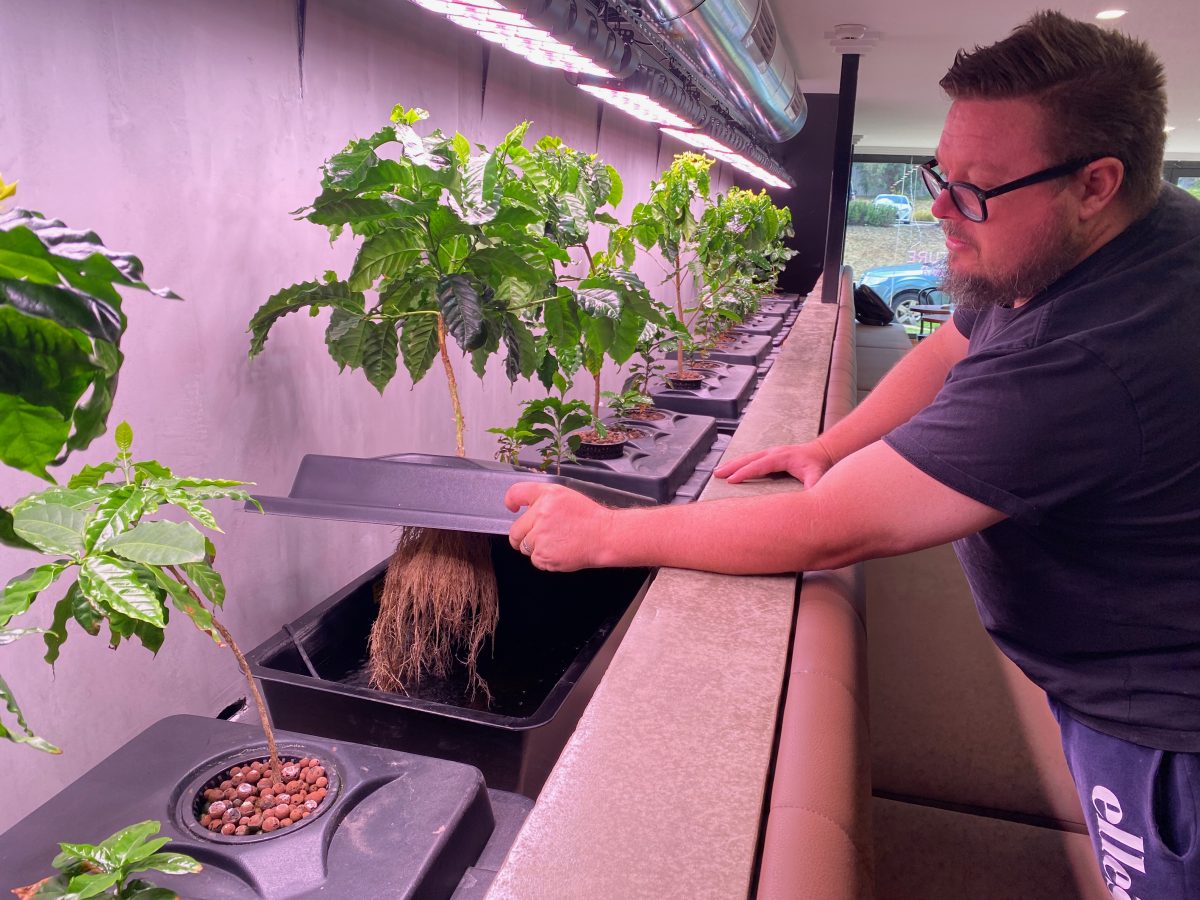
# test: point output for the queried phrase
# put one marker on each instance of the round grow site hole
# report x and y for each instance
(238, 799)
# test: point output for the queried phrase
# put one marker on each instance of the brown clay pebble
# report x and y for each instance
(293, 786)
(253, 777)
(310, 805)
(246, 808)
(270, 823)
(321, 782)
(228, 828)
(205, 820)
(283, 798)
(245, 790)
(241, 829)
(215, 825)
(290, 772)
(218, 808)
(280, 811)
(230, 793)
(226, 784)
(255, 821)
(285, 822)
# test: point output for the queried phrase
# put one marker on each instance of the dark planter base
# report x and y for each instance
(747, 350)
(654, 464)
(723, 395)
(687, 382)
(775, 308)
(612, 450)
(556, 635)
(399, 826)
(771, 325)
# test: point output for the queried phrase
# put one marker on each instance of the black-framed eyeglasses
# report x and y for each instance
(971, 201)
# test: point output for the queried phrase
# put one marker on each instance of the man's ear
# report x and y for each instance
(1098, 185)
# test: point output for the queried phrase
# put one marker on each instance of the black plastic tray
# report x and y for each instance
(653, 465)
(418, 489)
(771, 325)
(399, 826)
(557, 633)
(748, 350)
(776, 307)
(723, 395)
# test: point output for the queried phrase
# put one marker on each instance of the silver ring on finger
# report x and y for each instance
(526, 549)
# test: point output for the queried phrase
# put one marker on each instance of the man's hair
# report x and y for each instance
(1102, 94)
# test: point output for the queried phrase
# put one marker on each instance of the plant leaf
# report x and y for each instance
(300, 296)
(8, 536)
(24, 734)
(462, 311)
(208, 580)
(419, 344)
(388, 255)
(51, 527)
(84, 886)
(346, 338)
(158, 543)
(114, 584)
(90, 476)
(114, 514)
(169, 864)
(20, 592)
(32, 435)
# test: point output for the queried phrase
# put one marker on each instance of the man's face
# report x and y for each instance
(1031, 235)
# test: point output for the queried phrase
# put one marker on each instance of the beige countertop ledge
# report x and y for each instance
(659, 792)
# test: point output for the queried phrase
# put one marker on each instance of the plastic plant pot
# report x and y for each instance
(398, 825)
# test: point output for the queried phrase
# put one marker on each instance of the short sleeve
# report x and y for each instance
(1025, 429)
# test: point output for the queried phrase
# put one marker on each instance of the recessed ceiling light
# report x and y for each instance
(1110, 14)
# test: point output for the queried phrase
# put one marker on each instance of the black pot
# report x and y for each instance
(595, 450)
(689, 381)
(398, 825)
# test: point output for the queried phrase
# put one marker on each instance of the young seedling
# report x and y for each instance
(628, 403)
(107, 869)
(129, 569)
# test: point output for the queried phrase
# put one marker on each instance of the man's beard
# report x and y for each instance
(1054, 250)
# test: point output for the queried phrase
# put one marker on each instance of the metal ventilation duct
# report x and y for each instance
(737, 42)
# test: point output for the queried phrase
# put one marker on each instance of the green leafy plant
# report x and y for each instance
(129, 570)
(453, 244)
(669, 221)
(61, 325)
(555, 422)
(881, 216)
(107, 869)
(627, 403)
(601, 314)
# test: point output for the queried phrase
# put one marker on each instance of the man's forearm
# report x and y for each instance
(908, 388)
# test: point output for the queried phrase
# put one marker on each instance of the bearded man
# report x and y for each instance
(1053, 433)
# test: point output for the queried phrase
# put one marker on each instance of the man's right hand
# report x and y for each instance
(805, 462)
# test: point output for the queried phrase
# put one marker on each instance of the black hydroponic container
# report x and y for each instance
(745, 350)
(723, 395)
(655, 463)
(770, 325)
(398, 825)
(557, 631)
(776, 308)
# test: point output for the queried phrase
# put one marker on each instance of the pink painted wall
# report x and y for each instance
(177, 130)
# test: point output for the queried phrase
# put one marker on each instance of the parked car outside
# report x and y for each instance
(901, 204)
(907, 285)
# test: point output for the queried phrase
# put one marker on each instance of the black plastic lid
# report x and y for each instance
(418, 489)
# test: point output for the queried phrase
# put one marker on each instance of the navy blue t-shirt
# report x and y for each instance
(1078, 415)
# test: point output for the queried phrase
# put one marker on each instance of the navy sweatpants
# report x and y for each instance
(1142, 808)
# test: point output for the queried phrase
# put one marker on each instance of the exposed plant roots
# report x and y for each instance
(439, 603)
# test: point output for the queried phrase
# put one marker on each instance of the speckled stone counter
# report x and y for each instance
(659, 793)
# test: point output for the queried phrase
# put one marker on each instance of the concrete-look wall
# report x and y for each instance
(178, 130)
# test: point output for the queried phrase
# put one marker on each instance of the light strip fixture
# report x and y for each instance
(638, 105)
(708, 145)
(514, 32)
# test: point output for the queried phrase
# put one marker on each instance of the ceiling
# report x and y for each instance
(900, 106)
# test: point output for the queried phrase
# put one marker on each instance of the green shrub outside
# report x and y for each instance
(857, 212)
(882, 216)
(923, 215)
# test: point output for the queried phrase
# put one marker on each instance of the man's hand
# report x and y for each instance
(561, 531)
(805, 462)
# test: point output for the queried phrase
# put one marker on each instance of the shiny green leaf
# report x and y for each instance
(115, 585)
(418, 344)
(21, 591)
(207, 580)
(380, 354)
(462, 311)
(50, 527)
(22, 734)
(158, 543)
